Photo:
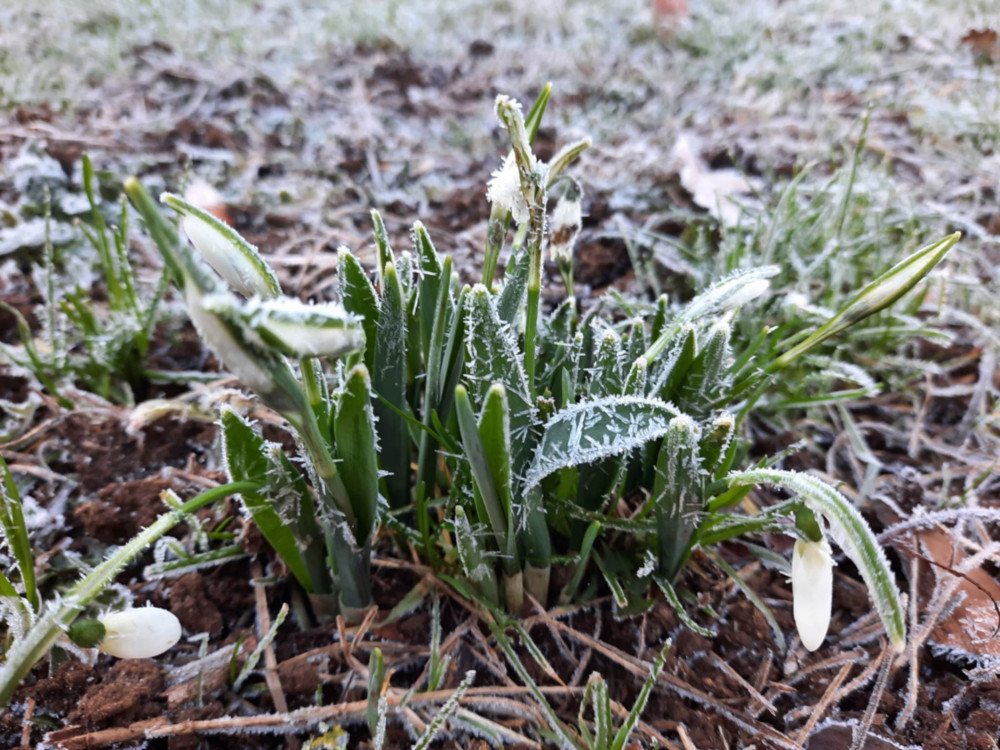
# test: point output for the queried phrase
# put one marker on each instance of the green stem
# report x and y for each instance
(535, 231)
(47, 629)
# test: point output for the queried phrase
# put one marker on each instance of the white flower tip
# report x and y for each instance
(505, 190)
(140, 633)
(812, 591)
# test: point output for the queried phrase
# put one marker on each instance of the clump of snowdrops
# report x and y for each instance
(497, 438)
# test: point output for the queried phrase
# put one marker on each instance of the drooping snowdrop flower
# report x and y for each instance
(565, 226)
(139, 633)
(812, 591)
(505, 191)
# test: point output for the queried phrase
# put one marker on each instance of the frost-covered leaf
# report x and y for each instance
(598, 429)
(244, 452)
(354, 430)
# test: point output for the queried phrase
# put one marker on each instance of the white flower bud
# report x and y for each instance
(232, 257)
(565, 228)
(239, 271)
(505, 190)
(746, 294)
(812, 591)
(305, 330)
(139, 633)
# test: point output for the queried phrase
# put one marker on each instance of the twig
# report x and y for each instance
(263, 626)
(824, 704)
(29, 710)
(861, 731)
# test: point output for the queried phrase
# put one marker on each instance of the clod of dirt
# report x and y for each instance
(190, 602)
(125, 695)
(60, 692)
(121, 510)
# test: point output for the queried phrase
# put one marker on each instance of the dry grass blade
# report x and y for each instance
(824, 703)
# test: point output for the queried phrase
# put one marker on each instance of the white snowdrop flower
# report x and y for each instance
(300, 330)
(239, 271)
(812, 591)
(565, 228)
(204, 312)
(504, 190)
(139, 633)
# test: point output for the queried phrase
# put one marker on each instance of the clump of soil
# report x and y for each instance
(126, 693)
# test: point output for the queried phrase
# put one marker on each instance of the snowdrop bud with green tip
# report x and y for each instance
(139, 633)
(232, 257)
(812, 590)
(300, 330)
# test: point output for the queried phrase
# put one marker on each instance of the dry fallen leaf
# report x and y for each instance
(716, 190)
(970, 630)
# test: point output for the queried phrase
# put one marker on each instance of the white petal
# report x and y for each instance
(504, 190)
(812, 591)
(140, 633)
(226, 259)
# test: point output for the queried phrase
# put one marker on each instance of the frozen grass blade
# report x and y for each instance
(376, 689)
(851, 533)
(15, 533)
(251, 663)
(445, 713)
(628, 726)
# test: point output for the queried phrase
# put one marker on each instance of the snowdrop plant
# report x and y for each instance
(100, 345)
(497, 438)
(326, 543)
(34, 624)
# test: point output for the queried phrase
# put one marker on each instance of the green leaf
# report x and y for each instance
(850, 532)
(495, 509)
(384, 252)
(493, 357)
(678, 492)
(359, 297)
(376, 677)
(389, 381)
(515, 285)
(354, 430)
(590, 431)
(244, 453)
(15, 532)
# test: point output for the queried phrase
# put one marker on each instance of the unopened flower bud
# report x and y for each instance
(812, 591)
(139, 633)
(232, 257)
(565, 228)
